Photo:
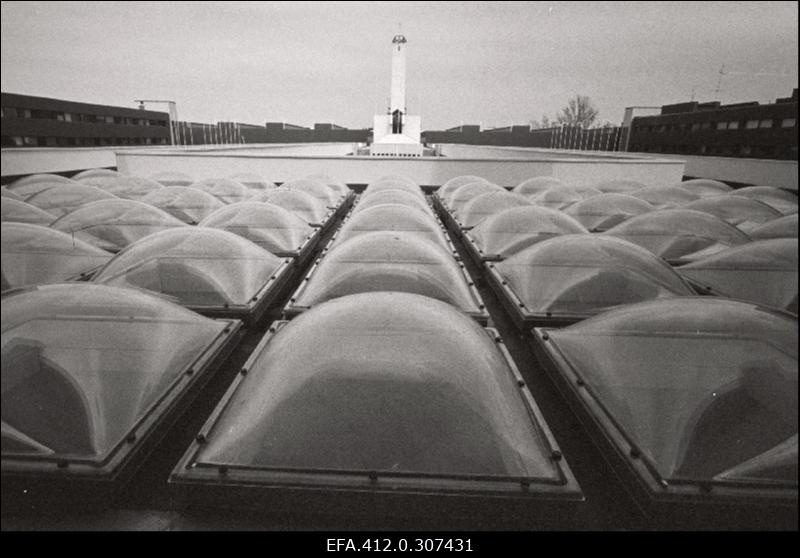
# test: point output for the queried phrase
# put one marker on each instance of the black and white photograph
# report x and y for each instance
(400, 276)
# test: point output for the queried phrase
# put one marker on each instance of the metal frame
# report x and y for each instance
(292, 310)
(369, 493)
(57, 480)
(303, 254)
(670, 503)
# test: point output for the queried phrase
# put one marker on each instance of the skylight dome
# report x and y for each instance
(114, 224)
(186, 204)
(127, 187)
(574, 276)
(224, 189)
(389, 261)
(33, 254)
(20, 212)
(600, 213)
(67, 197)
(480, 207)
(196, 266)
(675, 233)
(272, 227)
(537, 185)
(509, 231)
(764, 272)
(303, 204)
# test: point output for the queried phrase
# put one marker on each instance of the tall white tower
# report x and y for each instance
(396, 133)
(398, 98)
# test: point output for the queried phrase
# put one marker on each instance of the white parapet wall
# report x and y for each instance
(759, 172)
(32, 160)
(504, 167)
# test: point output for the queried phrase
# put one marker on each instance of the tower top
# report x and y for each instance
(399, 39)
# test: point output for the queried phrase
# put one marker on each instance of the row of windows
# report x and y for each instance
(726, 125)
(757, 151)
(51, 141)
(14, 112)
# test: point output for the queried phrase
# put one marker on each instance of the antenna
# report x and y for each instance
(719, 80)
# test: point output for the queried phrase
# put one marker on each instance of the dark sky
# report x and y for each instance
(494, 63)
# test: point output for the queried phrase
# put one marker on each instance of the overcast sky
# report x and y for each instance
(494, 63)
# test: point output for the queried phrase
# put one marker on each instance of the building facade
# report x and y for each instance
(761, 131)
(29, 121)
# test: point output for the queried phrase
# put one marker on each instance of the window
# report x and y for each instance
(18, 142)
(751, 124)
(67, 117)
(30, 141)
(695, 126)
(788, 123)
(705, 125)
(745, 150)
(10, 112)
(733, 125)
(108, 119)
(766, 123)
(50, 141)
(722, 125)
(26, 113)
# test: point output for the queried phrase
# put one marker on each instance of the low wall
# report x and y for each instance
(758, 172)
(506, 169)
(31, 160)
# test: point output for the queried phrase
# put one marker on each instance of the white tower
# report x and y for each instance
(398, 98)
(396, 133)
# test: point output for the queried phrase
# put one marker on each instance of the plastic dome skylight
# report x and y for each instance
(781, 200)
(509, 231)
(170, 178)
(186, 204)
(127, 187)
(396, 385)
(480, 207)
(326, 195)
(600, 213)
(537, 185)
(716, 398)
(272, 227)
(388, 261)
(783, 227)
(303, 204)
(764, 272)
(32, 254)
(393, 197)
(705, 187)
(619, 186)
(114, 224)
(395, 218)
(67, 197)
(453, 184)
(465, 193)
(675, 233)
(580, 275)
(93, 173)
(665, 197)
(196, 266)
(84, 363)
(744, 213)
(253, 181)
(20, 212)
(224, 189)
(28, 189)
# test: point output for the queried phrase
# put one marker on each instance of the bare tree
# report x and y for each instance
(579, 111)
(541, 124)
